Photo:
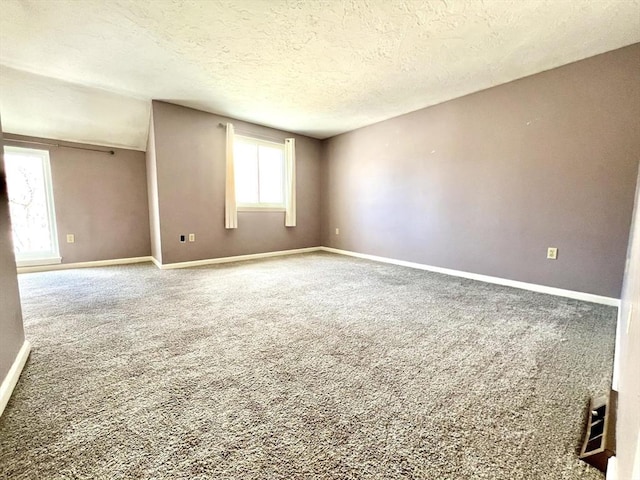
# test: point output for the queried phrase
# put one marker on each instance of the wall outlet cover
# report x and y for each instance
(192, 237)
(552, 253)
(71, 238)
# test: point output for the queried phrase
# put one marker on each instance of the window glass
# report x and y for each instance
(271, 175)
(31, 204)
(259, 173)
(246, 172)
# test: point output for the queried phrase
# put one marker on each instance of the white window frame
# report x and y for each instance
(53, 256)
(263, 207)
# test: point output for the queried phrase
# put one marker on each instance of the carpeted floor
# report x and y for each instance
(313, 366)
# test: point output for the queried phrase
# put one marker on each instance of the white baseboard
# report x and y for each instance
(587, 297)
(612, 468)
(38, 262)
(97, 263)
(615, 377)
(10, 381)
(238, 258)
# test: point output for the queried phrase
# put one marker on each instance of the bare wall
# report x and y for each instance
(190, 160)
(100, 198)
(485, 183)
(628, 343)
(11, 330)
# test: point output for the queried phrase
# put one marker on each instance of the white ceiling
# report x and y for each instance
(309, 66)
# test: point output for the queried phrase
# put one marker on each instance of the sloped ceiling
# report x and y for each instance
(86, 71)
(46, 107)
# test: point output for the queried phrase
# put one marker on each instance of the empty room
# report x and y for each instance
(320, 239)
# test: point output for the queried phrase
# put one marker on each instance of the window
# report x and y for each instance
(259, 174)
(30, 193)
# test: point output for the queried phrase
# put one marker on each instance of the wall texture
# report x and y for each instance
(628, 427)
(11, 331)
(100, 198)
(190, 162)
(485, 183)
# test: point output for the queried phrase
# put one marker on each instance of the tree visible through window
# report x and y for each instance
(31, 206)
(259, 173)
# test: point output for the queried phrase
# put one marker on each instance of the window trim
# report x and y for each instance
(263, 207)
(53, 256)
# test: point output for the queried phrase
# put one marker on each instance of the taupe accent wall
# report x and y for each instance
(628, 343)
(485, 183)
(11, 329)
(190, 162)
(100, 198)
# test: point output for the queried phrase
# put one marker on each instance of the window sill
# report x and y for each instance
(36, 262)
(261, 209)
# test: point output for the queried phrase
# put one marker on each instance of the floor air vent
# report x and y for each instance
(600, 440)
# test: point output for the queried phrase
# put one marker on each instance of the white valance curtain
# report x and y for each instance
(290, 182)
(230, 210)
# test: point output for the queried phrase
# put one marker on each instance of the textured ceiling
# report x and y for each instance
(314, 67)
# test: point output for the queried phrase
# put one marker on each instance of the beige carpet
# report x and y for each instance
(305, 367)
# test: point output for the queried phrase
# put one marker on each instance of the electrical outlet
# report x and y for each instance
(552, 253)
(192, 237)
(182, 239)
(71, 238)
(337, 231)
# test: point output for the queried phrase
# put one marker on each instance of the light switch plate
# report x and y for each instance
(192, 237)
(71, 238)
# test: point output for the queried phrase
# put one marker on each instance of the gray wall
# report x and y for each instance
(190, 162)
(485, 183)
(11, 331)
(100, 198)
(628, 427)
